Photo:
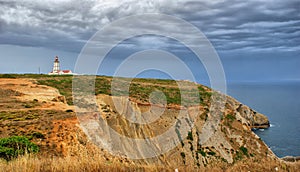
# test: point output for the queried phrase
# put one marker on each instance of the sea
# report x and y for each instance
(280, 102)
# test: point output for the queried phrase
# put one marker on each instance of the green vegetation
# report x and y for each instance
(19, 116)
(238, 156)
(7, 76)
(63, 84)
(12, 147)
(212, 153)
(190, 136)
(230, 117)
(201, 152)
(244, 150)
(139, 89)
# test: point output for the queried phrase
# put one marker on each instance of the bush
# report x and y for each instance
(190, 136)
(201, 152)
(212, 153)
(244, 150)
(12, 147)
(7, 76)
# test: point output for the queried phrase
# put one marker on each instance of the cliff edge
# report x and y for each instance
(201, 137)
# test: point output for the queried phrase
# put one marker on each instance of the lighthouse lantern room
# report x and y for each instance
(56, 65)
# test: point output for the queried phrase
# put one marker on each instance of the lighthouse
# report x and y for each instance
(56, 65)
(56, 69)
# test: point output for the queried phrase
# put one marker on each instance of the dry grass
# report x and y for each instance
(71, 163)
(94, 162)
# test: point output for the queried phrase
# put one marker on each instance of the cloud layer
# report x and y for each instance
(231, 25)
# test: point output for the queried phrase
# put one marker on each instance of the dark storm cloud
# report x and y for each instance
(253, 24)
(230, 24)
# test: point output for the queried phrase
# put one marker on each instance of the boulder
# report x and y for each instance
(260, 121)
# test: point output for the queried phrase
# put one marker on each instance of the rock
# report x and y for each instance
(256, 120)
(260, 121)
(59, 99)
(291, 158)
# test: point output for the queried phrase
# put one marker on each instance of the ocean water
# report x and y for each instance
(280, 102)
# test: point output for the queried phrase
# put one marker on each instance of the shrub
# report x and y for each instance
(201, 152)
(244, 150)
(7, 76)
(238, 156)
(190, 136)
(12, 147)
(212, 153)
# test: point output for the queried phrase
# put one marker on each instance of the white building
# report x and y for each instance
(56, 69)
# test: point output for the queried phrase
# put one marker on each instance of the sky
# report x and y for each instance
(256, 40)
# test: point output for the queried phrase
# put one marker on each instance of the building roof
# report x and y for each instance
(66, 71)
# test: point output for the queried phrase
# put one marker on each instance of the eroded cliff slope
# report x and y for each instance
(201, 136)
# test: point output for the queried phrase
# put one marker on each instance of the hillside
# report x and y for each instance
(41, 108)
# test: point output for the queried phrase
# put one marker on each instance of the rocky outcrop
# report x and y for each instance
(291, 158)
(260, 121)
(252, 118)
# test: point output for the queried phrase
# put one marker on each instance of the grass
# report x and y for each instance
(243, 151)
(139, 89)
(95, 162)
(63, 84)
(19, 115)
(87, 163)
(230, 117)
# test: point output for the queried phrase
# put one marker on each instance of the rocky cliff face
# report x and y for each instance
(251, 117)
(197, 138)
(128, 130)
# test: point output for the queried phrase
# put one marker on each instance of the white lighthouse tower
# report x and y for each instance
(56, 69)
(56, 66)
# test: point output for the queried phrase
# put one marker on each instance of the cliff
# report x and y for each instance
(128, 131)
